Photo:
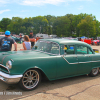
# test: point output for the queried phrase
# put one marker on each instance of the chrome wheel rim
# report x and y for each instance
(30, 79)
(95, 71)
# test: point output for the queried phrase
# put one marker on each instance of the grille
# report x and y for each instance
(4, 69)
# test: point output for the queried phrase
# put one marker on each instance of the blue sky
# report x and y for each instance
(33, 8)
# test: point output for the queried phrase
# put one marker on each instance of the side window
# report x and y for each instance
(81, 49)
(67, 49)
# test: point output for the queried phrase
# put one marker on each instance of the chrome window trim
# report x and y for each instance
(46, 52)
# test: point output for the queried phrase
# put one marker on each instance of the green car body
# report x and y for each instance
(53, 58)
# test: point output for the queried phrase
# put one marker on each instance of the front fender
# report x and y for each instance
(48, 66)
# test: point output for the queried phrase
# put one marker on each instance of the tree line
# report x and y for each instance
(62, 26)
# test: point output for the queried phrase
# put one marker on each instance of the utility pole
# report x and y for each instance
(40, 29)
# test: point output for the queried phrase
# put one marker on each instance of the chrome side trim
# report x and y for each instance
(95, 61)
(5, 68)
(68, 62)
(90, 61)
(4, 58)
(10, 79)
(80, 62)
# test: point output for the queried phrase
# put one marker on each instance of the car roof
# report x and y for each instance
(66, 41)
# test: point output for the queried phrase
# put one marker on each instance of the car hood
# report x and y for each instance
(16, 55)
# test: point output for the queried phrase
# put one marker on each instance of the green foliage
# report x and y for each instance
(40, 24)
(87, 27)
(4, 23)
(1, 30)
(62, 26)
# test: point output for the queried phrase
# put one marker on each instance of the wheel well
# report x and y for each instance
(43, 76)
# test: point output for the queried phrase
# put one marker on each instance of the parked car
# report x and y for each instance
(2, 36)
(50, 58)
(15, 38)
(95, 42)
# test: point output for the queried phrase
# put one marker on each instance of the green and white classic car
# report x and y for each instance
(50, 58)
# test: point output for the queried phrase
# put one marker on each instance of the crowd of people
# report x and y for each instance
(6, 42)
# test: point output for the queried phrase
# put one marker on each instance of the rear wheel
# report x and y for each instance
(94, 72)
(30, 79)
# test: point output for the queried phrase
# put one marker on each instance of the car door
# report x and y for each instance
(67, 62)
(84, 59)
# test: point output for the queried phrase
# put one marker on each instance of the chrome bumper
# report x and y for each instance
(10, 79)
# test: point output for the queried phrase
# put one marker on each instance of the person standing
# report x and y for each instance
(26, 44)
(32, 38)
(6, 42)
(20, 35)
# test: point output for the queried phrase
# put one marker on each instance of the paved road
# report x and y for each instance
(76, 88)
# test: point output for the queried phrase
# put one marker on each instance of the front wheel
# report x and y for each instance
(94, 72)
(30, 79)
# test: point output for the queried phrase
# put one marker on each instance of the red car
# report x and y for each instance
(86, 41)
(95, 42)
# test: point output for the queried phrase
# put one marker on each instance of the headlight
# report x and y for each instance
(9, 64)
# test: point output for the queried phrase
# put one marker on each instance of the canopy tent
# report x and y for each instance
(84, 37)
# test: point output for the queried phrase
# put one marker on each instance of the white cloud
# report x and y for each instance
(80, 8)
(38, 2)
(24, 10)
(2, 1)
(2, 11)
(78, 0)
(41, 2)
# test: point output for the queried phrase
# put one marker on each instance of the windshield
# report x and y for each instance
(46, 46)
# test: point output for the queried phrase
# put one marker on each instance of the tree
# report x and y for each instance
(28, 24)
(87, 26)
(61, 26)
(4, 23)
(68, 25)
(51, 20)
(15, 25)
(40, 24)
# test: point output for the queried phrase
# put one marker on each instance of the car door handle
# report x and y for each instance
(75, 57)
(87, 56)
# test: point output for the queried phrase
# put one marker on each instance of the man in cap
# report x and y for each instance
(6, 42)
(32, 38)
